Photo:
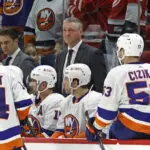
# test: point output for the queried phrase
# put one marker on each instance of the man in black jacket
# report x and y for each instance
(79, 52)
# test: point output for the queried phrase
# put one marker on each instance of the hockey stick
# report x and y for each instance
(30, 127)
(24, 146)
(97, 134)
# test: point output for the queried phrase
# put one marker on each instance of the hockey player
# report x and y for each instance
(43, 28)
(14, 106)
(48, 110)
(18, 72)
(72, 121)
(125, 101)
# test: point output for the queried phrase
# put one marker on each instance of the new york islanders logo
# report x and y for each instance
(71, 126)
(12, 7)
(45, 19)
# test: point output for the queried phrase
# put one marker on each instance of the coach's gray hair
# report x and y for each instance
(75, 20)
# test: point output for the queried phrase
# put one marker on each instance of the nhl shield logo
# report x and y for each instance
(45, 19)
(71, 126)
(12, 7)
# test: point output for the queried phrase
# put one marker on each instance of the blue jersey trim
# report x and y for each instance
(48, 132)
(60, 130)
(107, 114)
(4, 135)
(119, 131)
(136, 114)
(23, 103)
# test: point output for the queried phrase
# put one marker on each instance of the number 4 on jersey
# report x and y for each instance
(4, 108)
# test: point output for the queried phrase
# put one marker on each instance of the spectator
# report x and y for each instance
(123, 18)
(31, 51)
(93, 14)
(43, 28)
(48, 110)
(72, 121)
(125, 101)
(9, 45)
(15, 104)
(2, 55)
(81, 53)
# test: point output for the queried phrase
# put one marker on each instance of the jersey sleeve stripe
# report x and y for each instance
(6, 134)
(103, 120)
(134, 125)
(136, 114)
(100, 123)
(23, 113)
(107, 114)
(23, 103)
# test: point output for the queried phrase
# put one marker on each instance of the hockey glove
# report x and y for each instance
(92, 134)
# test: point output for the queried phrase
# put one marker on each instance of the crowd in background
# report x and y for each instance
(47, 38)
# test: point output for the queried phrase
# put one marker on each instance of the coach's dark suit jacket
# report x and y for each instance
(24, 62)
(86, 54)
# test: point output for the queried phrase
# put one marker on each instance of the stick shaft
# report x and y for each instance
(98, 136)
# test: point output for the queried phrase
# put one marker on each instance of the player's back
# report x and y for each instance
(133, 82)
(6, 98)
(130, 93)
(10, 101)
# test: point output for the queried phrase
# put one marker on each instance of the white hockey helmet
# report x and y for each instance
(44, 73)
(78, 71)
(132, 44)
(16, 70)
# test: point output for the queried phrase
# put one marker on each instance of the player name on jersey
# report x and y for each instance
(138, 74)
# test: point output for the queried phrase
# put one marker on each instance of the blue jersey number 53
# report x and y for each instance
(141, 97)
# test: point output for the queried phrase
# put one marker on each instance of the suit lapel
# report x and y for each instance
(64, 57)
(62, 61)
(17, 59)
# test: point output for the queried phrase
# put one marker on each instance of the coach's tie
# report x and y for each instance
(8, 60)
(70, 51)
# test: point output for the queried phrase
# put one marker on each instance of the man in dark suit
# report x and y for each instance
(9, 44)
(79, 52)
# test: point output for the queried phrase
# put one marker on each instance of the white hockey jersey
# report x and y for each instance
(72, 120)
(14, 106)
(44, 25)
(126, 99)
(48, 112)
